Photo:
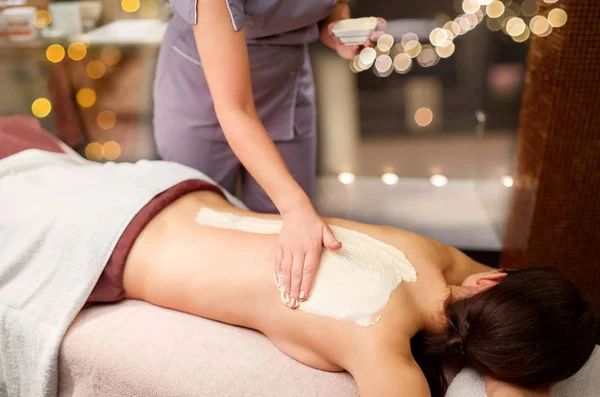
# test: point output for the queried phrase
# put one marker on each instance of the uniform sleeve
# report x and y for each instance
(187, 10)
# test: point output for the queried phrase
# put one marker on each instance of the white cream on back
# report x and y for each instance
(352, 284)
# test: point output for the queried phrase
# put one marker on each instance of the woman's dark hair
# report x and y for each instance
(532, 329)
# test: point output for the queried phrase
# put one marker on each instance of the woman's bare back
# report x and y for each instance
(226, 275)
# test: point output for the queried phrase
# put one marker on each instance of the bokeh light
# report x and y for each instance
(557, 17)
(41, 107)
(346, 178)
(402, 63)
(485, 2)
(495, 9)
(42, 19)
(508, 181)
(428, 57)
(110, 55)
(55, 53)
(106, 119)
(130, 5)
(385, 42)
(550, 1)
(383, 64)
(423, 117)
(77, 51)
(529, 8)
(96, 69)
(407, 38)
(438, 180)
(515, 26)
(539, 25)
(453, 27)
(86, 97)
(93, 151)
(439, 37)
(111, 150)
(389, 178)
(494, 24)
(523, 36)
(413, 48)
(470, 6)
(447, 51)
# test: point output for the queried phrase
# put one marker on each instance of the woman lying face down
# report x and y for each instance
(389, 308)
(529, 328)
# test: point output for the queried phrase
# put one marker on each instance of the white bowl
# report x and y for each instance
(356, 30)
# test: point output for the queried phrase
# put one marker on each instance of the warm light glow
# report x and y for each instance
(41, 107)
(86, 97)
(529, 8)
(447, 51)
(423, 117)
(130, 5)
(438, 180)
(93, 151)
(402, 63)
(110, 55)
(495, 9)
(383, 64)
(346, 178)
(494, 24)
(453, 27)
(428, 57)
(96, 69)
(367, 57)
(77, 51)
(439, 37)
(106, 119)
(557, 17)
(485, 2)
(407, 38)
(470, 6)
(515, 26)
(42, 19)
(550, 1)
(55, 53)
(385, 42)
(523, 36)
(111, 150)
(413, 48)
(507, 181)
(389, 178)
(539, 25)
(472, 20)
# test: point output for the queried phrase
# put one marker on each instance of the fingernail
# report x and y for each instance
(293, 303)
(286, 297)
(302, 295)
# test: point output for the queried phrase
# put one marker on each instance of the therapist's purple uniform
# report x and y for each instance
(186, 126)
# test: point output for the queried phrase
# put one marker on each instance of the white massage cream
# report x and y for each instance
(352, 284)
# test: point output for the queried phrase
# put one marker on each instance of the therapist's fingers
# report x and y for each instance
(286, 270)
(311, 266)
(297, 270)
(381, 24)
(329, 239)
(374, 37)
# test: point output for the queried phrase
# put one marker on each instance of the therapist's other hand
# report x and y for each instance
(349, 51)
(298, 252)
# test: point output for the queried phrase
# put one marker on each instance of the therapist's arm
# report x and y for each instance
(224, 57)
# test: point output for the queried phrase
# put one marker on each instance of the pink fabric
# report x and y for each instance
(18, 133)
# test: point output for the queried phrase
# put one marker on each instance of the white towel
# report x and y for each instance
(60, 218)
(585, 383)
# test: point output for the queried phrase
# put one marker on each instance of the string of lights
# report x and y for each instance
(515, 19)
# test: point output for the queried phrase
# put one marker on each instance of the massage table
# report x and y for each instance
(133, 349)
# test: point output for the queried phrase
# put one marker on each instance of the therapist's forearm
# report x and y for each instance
(252, 145)
(341, 11)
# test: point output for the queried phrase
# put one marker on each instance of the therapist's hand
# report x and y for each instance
(298, 252)
(349, 51)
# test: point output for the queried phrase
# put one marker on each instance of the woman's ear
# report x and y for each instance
(488, 280)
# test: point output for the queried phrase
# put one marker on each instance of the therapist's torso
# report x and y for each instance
(277, 33)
